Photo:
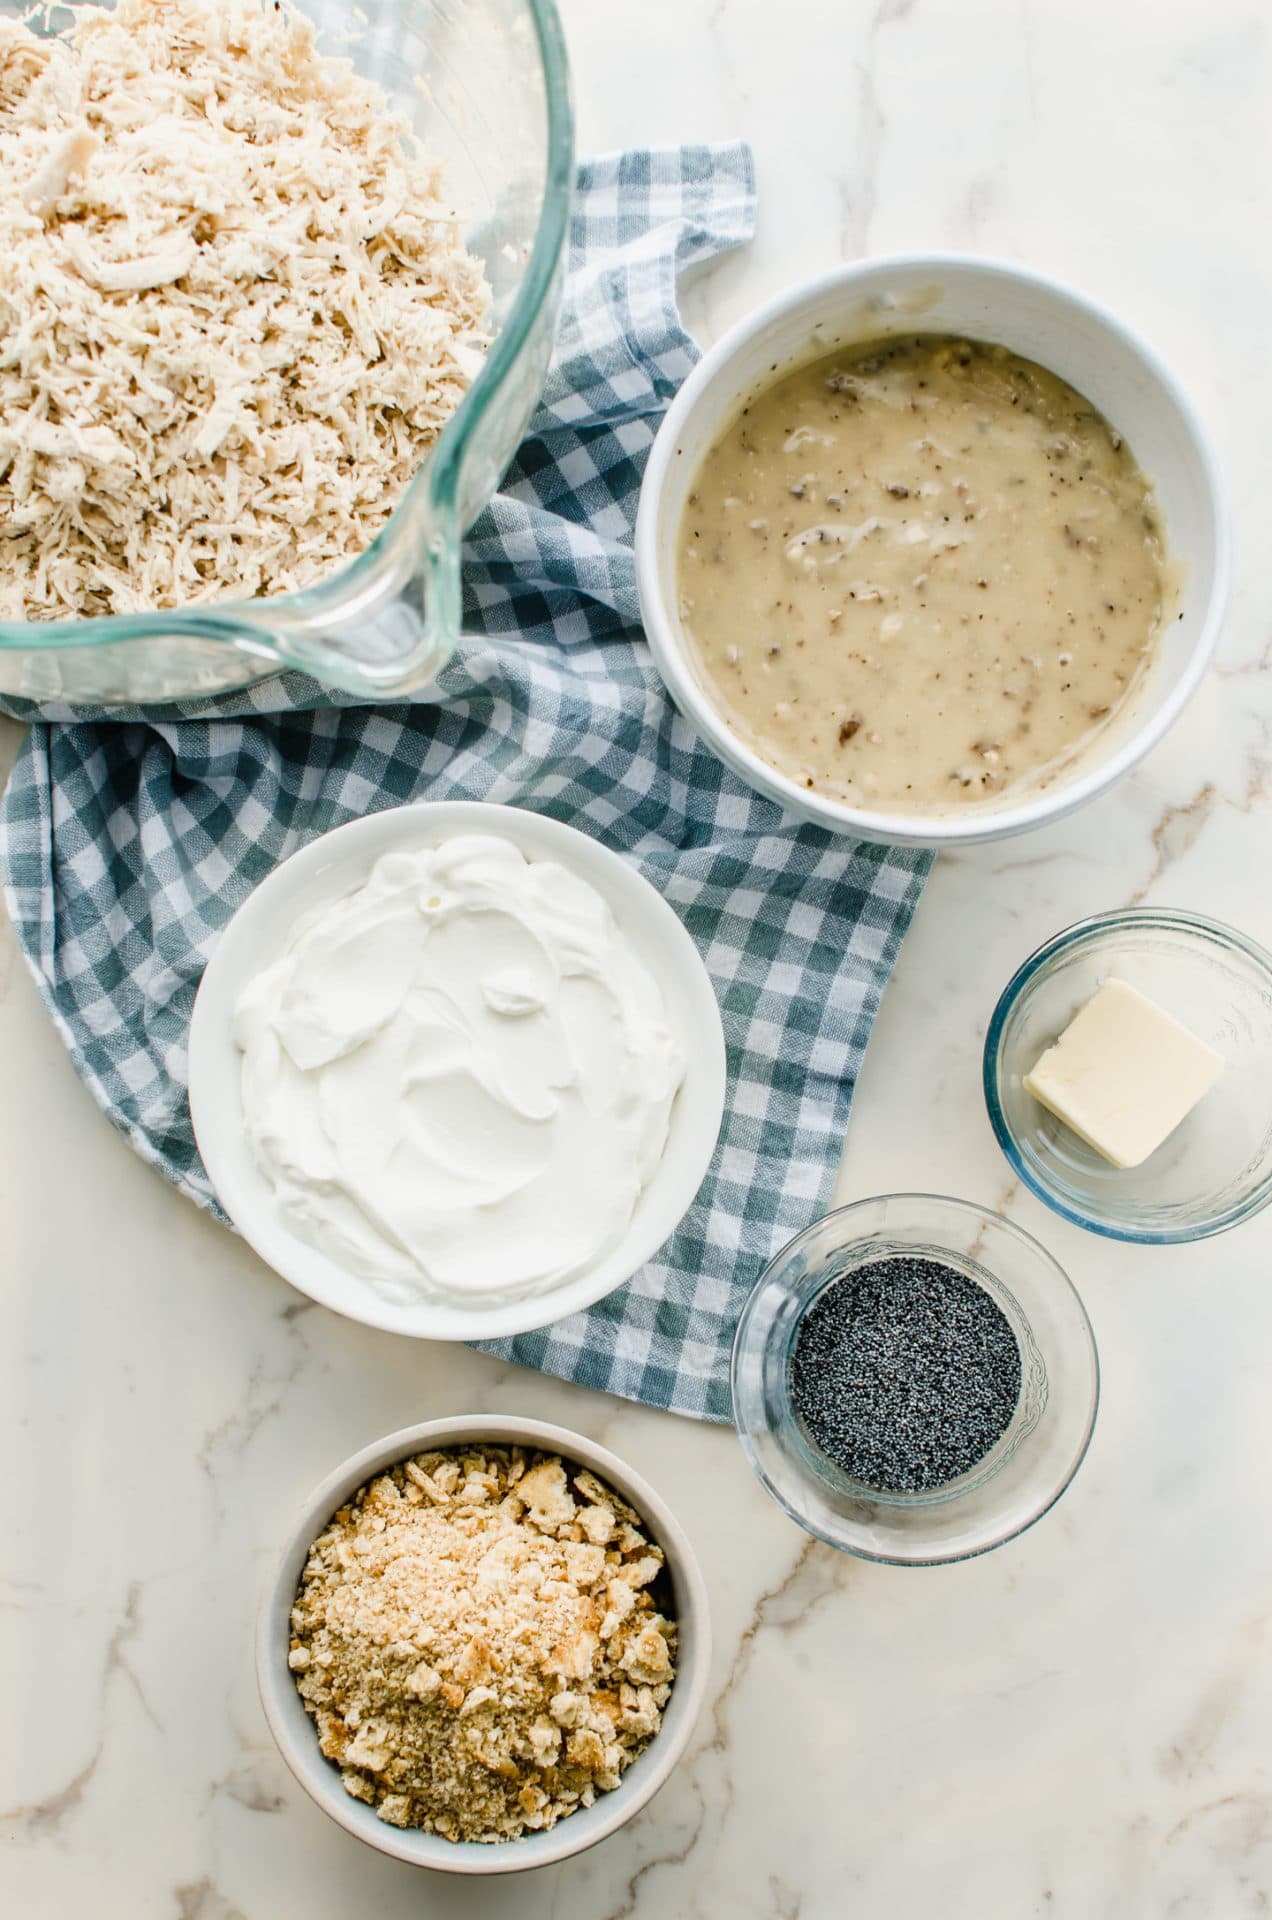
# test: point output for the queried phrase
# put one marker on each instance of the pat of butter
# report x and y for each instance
(1123, 1074)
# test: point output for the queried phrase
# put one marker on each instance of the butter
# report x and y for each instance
(1123, 1074)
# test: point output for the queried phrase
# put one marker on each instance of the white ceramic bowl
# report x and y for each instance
(1062, 330)
(334, 864)
(294, 1730)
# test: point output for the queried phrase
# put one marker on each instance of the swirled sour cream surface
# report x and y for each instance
(459, 1078)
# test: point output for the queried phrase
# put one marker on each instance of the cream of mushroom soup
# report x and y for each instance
(922, 574)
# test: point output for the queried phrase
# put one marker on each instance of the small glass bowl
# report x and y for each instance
(1027, 1470)
(1215, 1170)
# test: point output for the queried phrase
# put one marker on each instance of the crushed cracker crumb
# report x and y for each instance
(479, 1639)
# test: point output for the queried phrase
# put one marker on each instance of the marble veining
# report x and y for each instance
(1074, 1727)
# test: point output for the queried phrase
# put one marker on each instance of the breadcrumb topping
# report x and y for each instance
(235, 308)
(478, 1641)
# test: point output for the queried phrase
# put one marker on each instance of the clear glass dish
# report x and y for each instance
(485, 84)
(1021, 1477)
(1215, 1170)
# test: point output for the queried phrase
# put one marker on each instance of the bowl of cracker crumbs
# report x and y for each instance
(485, 1646)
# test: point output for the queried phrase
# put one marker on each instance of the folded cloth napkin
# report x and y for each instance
(127, 844)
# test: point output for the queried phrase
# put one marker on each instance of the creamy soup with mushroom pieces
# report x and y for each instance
(921, 574)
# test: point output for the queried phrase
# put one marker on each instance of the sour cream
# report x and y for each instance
(459, 1078)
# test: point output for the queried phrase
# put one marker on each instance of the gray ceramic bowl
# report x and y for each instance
(294, 1730)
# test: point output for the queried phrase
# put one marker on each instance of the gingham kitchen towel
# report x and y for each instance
(127, 845)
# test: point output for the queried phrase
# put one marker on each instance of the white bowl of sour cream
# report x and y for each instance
(456, 1070)
(1060, 332)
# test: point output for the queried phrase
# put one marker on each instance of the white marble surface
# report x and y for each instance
(1073, 1727)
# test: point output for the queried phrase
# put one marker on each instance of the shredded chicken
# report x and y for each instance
(235, 309)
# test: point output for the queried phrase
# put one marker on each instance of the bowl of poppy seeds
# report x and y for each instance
(915, 1379)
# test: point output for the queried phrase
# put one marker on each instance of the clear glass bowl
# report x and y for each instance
(485, 84)
(1215, 1170)
(1021, 1477)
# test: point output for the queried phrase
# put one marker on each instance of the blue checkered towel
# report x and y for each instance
(128, 844)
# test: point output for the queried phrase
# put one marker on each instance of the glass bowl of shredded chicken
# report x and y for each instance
(278, 287)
